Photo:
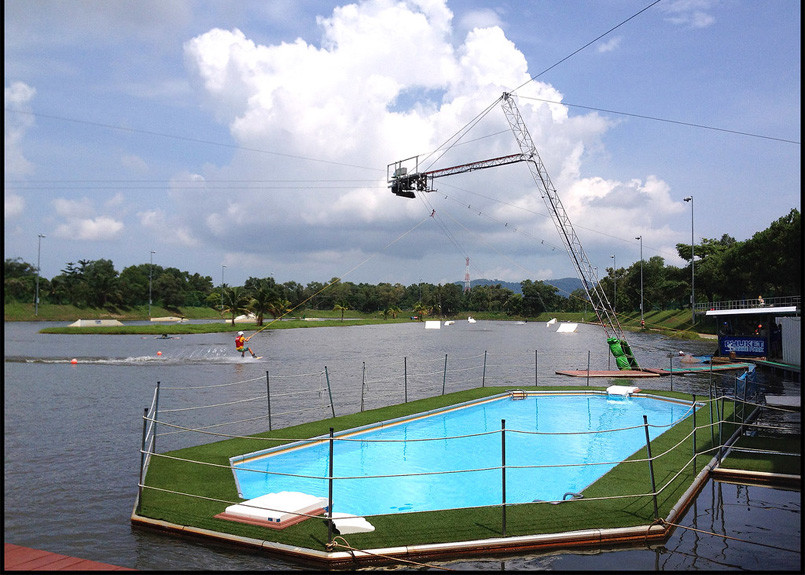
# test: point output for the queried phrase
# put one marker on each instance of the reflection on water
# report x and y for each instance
(72, 431)
(729, 527)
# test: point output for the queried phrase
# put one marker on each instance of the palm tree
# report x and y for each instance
(342, 307)
(421, 310)
(391, 310)
(236, 302)
(261, 304)
(278, 307)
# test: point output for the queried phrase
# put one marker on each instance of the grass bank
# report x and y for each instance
(672, 323)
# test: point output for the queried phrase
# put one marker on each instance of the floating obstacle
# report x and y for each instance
(95, 322)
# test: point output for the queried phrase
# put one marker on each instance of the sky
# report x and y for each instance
(255, 138)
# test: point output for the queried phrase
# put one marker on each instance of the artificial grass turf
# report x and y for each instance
(215, 487)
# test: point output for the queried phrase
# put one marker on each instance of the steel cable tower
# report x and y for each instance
(404, 183)
(584, 269)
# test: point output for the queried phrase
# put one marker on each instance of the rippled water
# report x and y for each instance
(72, 431)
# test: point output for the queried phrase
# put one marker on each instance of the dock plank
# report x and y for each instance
(605, 373)
(19, 558)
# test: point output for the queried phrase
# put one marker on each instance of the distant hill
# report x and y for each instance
(564, 286)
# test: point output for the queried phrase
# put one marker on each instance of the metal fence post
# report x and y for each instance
(503, 471)
(363, 384)
(588, 368)
(720, 431)
(735, 400)
(743, 405)
(483, 376)
(405, 376)
(268, 395)
(444, 377)
(694, 431)
(536, 368)
(156, 415)
(142, 461)
(710, 403)
(651, 469)
(330, 494)
(329, 391)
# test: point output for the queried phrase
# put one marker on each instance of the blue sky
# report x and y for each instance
(256, 135)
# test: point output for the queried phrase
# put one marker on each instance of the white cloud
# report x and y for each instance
(17, 122)
(65, 208)
(692, 13)
(134, 164)
(79, 222)
(609, 45)
(90, 229)
(169, 230)
(115, 201)
(14, 205)
(482, 18)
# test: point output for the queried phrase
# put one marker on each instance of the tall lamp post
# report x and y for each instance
(38, 254)
(614, 285)
(642, 323)
(222, 287)
(150, 275)
(692, 255)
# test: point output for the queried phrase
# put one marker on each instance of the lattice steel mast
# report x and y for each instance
(584, 269)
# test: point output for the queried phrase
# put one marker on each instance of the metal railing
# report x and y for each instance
(769, 302)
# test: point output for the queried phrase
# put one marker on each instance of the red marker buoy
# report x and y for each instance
(159, 353)
(74, 361)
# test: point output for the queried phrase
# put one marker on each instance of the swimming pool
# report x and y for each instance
(451, 458)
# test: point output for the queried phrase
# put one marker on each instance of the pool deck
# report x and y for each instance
(339, 554)
(18, 558)
(654, 371)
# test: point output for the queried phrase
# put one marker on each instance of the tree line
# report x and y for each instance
(769, 263)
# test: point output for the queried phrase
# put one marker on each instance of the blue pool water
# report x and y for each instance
(434, 453)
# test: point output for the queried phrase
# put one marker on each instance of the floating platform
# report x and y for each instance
(788, 402)
(701, 368)
(654, 371)
(95, 323)
(607, 373)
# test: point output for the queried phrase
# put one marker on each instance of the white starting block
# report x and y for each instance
(276, 510)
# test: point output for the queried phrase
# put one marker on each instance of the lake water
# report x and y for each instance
(72, 432)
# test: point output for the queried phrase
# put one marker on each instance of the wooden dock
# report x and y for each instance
(18, 558)
(605, 373)
(654, 371)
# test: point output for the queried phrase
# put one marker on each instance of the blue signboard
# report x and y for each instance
(745, 346)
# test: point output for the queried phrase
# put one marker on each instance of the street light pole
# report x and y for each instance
(150, 275)
(614, 285)
(642, 323)
(222, 287)
(692, 255)
(38, 254)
